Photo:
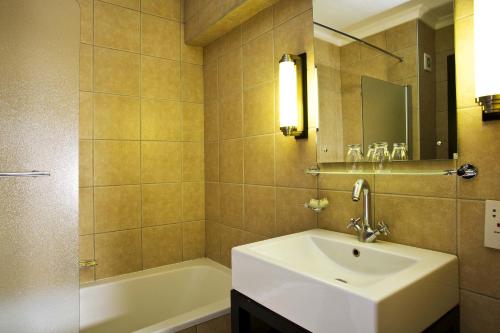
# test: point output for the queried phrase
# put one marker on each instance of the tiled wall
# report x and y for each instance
(479, 266)
(141, 138)
(255, 184)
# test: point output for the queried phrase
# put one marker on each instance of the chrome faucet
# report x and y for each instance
(366, 232)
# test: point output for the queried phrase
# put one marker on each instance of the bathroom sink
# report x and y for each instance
(327, 281)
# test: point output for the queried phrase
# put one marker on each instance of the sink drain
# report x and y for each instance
(341, 280)
(356, 252)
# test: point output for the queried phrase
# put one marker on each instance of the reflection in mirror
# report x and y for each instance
(367, 95)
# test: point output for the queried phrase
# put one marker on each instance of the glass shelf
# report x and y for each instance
(450, 172)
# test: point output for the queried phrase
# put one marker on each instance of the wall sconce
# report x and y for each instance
(487, 50)
(293, 95)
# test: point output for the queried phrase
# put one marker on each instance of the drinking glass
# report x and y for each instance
(381, 157)
(354, 157)
(399, 152)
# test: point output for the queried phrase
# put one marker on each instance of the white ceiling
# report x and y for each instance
(363, 18)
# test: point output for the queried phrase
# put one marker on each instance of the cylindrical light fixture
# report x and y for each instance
(293, 95)
(487, 61)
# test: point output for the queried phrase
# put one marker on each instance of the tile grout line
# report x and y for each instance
(140, 136)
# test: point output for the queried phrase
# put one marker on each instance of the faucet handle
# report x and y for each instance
(354, 222)
(383, 228)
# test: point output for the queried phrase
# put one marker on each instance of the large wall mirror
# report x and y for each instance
(394, 86)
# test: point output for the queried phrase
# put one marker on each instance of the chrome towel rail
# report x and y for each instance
(33, 173)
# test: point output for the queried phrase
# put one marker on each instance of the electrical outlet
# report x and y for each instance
(492, 224)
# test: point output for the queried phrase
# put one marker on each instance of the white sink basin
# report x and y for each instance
(315, 279)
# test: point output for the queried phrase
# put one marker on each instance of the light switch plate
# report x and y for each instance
(427, 62)
(492, 224)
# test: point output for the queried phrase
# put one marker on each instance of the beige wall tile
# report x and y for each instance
(257, 25)
(231, 116)
(116, 72)
(211, 120)
(192, 122)
(192, 83)
(160, 120)
(464, 49)
(231, 161)
(424, 222)
(473, 138)
(118, 253)
(161, 161)
(160, 78)
(259, 160)
(478, 313)
(116, 27)
(85, 162)
(479, 265)
(160, 37)
(259, 109)
(433, 186)
(86, 211)
(286, 9)
(260, 210)
(116, 117)
(193, 201)
(86, 253)
(162, 245)
(231, 205)
(117, 208)
(212, 162)
(258, 60)
(294, 36)
(190, 54)
(87, 21)
(132, 4)
(230, 237)
(291, 216)
(86, 115)
(406, 69)
(341, 209)
(218, 325)
(292, 158)
(212, 241)
(210, 80)
(402, 36)
(161, 204)
(86, 67)
(192, 161)
(212, 201)
(193, 240)
(229, 72)
(166, 8)
(341, 182)
(116, 163)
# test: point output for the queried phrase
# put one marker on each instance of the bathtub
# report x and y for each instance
(163, 299)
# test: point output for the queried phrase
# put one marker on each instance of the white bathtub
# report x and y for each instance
(163, 299)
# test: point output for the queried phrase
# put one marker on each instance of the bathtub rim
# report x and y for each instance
(157, 271)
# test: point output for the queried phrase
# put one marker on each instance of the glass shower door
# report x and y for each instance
(39, 51)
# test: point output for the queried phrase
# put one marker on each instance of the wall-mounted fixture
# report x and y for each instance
(487, 49)
(293, 95)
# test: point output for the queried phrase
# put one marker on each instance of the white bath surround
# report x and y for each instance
(162, 300)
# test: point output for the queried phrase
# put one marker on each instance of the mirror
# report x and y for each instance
(386, 73)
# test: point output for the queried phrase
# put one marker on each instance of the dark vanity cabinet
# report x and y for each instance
(248, 316)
